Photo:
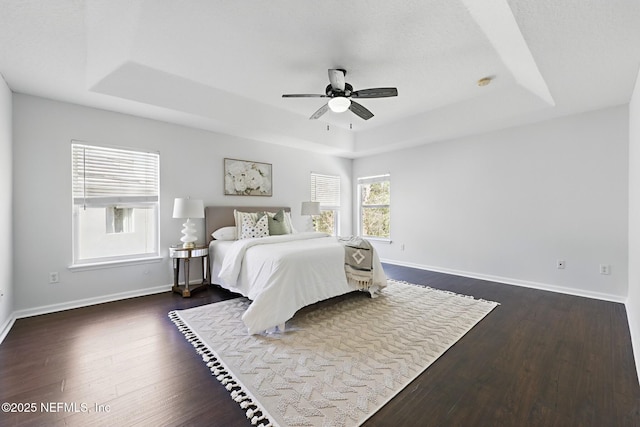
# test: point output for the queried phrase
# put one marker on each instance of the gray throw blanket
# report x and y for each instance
(358, 261)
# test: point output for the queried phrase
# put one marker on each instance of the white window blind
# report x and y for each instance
(325, 189)
(375, 178)
(104, 176)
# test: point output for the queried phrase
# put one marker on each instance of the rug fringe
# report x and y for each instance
(253, 412)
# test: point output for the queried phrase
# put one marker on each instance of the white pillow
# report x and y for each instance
(252, 229)
(287, 215)
(239, 217)
(225, 233)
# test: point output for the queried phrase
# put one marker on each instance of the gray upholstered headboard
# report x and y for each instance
(222, 216)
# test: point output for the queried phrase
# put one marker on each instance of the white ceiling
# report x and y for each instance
(223, 65)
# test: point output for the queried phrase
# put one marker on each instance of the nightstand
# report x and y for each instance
(178, 253)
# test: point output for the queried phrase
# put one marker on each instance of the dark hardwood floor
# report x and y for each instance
(539, 359)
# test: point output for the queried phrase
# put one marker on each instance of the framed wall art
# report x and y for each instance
(247, 178)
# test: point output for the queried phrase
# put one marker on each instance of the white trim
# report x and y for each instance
(515, 282)
(370, 180)
(378, 240)
(46, 309)
(53, 308)
(8, 324)
(103, 175)
(374, 178)
(114, 263)
(635, 338)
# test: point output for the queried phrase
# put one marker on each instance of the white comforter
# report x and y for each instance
(282, 274)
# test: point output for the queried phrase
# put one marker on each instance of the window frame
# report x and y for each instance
(148, 198)
(361, 207)
(329, 199)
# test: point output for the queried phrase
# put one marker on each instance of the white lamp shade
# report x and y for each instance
(339, 104)
(188, 208)
(310, 208)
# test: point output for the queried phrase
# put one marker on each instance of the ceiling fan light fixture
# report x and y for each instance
(340, 93)
(339, 104)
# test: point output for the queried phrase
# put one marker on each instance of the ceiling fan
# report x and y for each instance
(341, 96)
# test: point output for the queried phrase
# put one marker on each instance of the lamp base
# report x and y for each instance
(188, 235)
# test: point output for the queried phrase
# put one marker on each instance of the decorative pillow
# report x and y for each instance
(278, 223)
(287, 216)
(225, 233)
(252, 229)
(239, 217)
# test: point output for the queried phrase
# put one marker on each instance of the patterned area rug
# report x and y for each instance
(339, 361)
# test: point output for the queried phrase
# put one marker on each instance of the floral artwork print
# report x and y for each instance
(244, 178)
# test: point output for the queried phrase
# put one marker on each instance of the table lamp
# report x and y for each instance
(188, 208)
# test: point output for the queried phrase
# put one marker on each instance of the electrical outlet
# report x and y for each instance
(53, 277)
(560, 264)
(605, 269)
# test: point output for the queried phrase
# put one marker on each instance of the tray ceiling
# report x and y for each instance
(223, 66)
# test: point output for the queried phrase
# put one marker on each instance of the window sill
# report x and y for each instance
(118, 263)
(379, 239)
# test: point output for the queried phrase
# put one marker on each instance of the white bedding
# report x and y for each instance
(282, 274)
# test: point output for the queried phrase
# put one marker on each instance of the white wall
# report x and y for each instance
(506, 205)
(190, 165)
(6, 179)
(633, 301)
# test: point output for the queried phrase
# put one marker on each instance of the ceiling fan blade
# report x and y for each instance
(360, 111)
(336, 77)
(379, 92)
(320, 112)
(303, 95)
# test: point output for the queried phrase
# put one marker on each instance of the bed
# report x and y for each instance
(280, 274)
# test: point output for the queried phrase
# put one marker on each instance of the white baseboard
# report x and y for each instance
(635, 337)
(515, 282)
(46, 309)
(6, 327)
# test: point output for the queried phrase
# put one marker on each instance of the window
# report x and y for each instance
(374, 207)
(326, 190)
(115, 204)
(119, 220)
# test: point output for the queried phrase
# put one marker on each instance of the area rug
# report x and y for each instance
(338, 361)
